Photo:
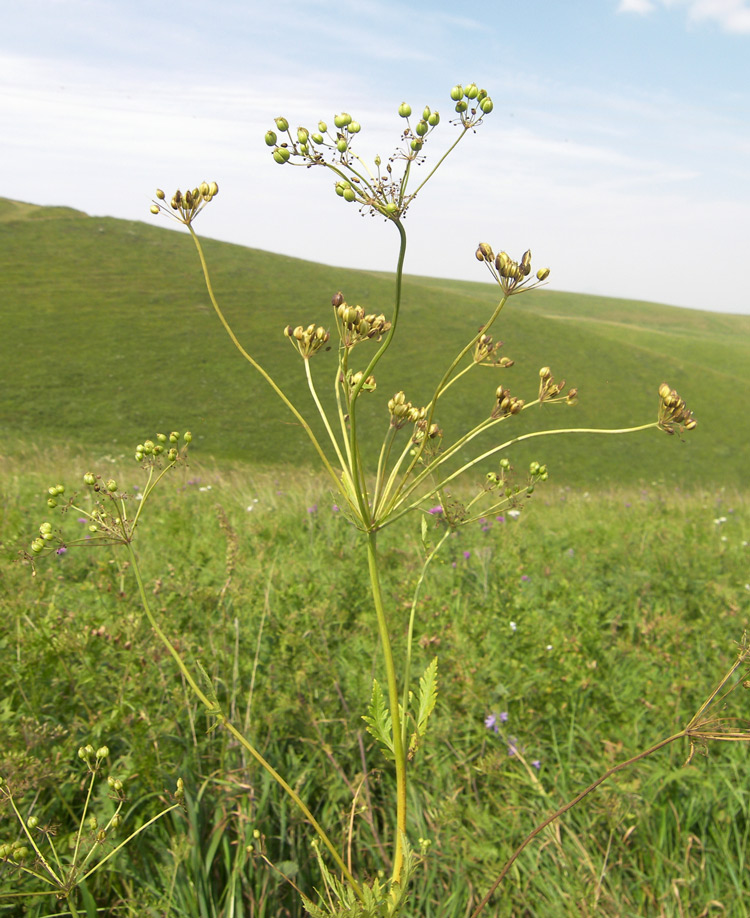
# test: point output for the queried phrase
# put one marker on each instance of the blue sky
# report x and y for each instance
(618, 149)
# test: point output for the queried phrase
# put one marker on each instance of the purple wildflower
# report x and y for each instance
(61, 550)
(435, 510)
(467, 554)
(500, 519)
(82, 520)
(313, 509)
(537, 764)
(490, 722)
(525, 577)
(335, 508)
(504, 716)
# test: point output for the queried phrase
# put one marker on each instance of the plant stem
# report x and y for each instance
(254, 363)
(398, 746)
(212, 708)
(569, 805)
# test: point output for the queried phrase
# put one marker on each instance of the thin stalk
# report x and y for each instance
(439, 163)
(80, 826)
(254, 363)
(569, 805)
(347, 486)
(410, 635)
(212, 708)
(502, 446)
(390, 669)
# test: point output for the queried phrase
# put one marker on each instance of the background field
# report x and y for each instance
(598, 620)
(108, 332)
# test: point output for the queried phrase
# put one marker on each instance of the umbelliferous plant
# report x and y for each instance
(414, 470)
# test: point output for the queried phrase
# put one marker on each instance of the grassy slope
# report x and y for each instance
(108, 335)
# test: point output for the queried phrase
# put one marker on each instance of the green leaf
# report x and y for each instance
(428, 688)
(378, 720)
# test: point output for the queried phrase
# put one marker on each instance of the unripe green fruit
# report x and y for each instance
(115, 821)
(32, 822)
(20, 854)
(271, 139)
(102, 752)
(174, 436)
(416, 145)
(457, 93)
(404, 110)
(422, 128)
(391, 207)
(160, 194)
(111, 485)
(461, 106)
(354, 128)
(434, 119)
(322, 127)
(47, 536)
(426, 113)
(349, 195)
(302, 134)
(341, 145)
(89, 478)
(37, 545)
(187, 436)
(340, 189)
(342, 120)
(154, 209)
(318, 138)
(162, 438)
(51, 503)
(471, 91)
(282, 124)
(281, 155)
(486, 106)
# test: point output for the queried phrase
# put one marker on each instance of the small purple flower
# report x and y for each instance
(335, 508)
(453, 563)
(467, 554)
(61, 550)
(537, 764)
(512, 748)
(82, 520)
(525, 577)
(313, 509)
(435, 510)
(503, 717)
(490, 722)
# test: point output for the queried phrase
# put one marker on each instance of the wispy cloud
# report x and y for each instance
(729, 15)
(642, 7)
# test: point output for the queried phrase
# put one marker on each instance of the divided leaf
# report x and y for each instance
(378, 720)
(428, 687)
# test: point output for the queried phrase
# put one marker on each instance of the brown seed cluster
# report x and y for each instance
(485, 352)
(673, 412)
(506, 404)
(355, 324)
(549, 389)
(308, 341)
(513, 276)
(185, 206)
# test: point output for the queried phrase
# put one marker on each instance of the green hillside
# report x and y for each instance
(108, 336)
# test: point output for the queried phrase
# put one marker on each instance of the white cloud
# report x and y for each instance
(730, 15)
(636, 6)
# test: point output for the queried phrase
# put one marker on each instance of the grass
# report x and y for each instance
(110, 333)
(626, 605)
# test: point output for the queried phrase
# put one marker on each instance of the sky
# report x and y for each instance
(618, 149)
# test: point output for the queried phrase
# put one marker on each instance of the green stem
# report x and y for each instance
(254, 363)
(212, 708)
(398, 745)
(496, 449)
(412, 616)
(564, 809)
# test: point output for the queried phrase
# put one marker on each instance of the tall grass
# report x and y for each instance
(593, 625)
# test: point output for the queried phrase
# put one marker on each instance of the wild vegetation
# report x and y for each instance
(224, 765)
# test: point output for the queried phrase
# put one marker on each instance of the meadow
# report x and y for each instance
(570, 635)
(597, 623)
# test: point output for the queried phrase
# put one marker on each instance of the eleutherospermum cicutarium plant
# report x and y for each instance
(414, 468)
(43, 860)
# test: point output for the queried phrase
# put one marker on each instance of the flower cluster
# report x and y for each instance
(403, 412)
(307, 341)
(185, 206)
(549, 389)
(673, 411)
(513, 276)
(377, 191)
(485, 353)
(506, 404)
(355, 325)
